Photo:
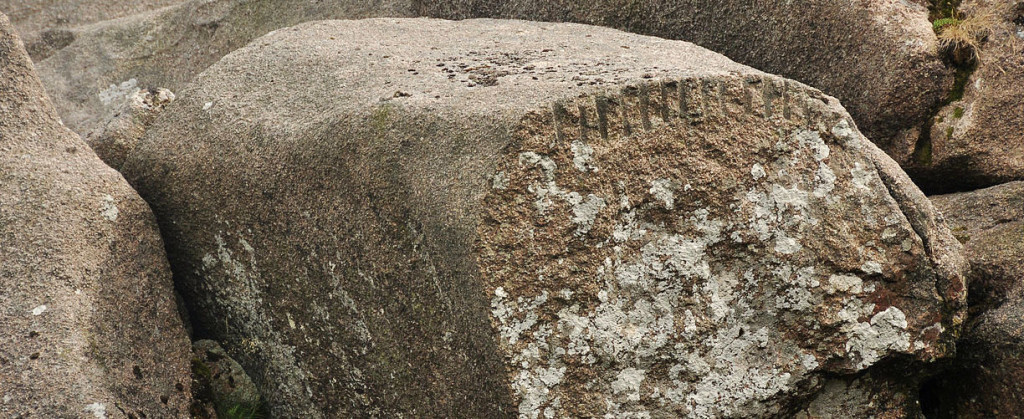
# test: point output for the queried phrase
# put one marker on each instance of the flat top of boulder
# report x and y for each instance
(399, 60)
(879, 57)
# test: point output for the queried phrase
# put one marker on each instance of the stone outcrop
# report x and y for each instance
(45, 24)
(540, 219)
(168, 47)
(880, 58)
(986, 378)
(132, 111)
(88, 324)
(978, 139)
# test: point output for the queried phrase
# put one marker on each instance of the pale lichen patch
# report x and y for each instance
(109, 208)
(718, 291)
(757, 171)
(869, 341)
(582, 156)
(98, 410)
(664, 191)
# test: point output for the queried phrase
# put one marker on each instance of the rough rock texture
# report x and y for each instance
(884, 392)
(986, 378)
(978, 140)
(44, 24)
(649, 227)
(167, 48)
(879, 57)
(227, 386)
(133, 110)
(87, 316)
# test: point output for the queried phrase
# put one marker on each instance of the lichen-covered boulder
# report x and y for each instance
(88, 323)
(45, 24)
(977, 140)
(539, 219)
(880, 58)
(166, 48)
(987, 377)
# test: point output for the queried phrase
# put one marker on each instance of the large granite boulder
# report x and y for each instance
(987, 378)
(977, 140)
(45, 24)
(88, 323)
(539, 219)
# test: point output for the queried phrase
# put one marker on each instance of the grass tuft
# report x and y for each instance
(962, 37)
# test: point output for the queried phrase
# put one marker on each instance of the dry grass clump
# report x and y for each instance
(962, 36)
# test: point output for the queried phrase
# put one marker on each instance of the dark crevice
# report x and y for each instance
(954, 174)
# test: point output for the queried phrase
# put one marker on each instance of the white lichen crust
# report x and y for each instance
(735, 241)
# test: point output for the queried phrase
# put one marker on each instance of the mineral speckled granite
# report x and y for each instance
(88, 323)
(977, 140)
(537, 220)
(986, 378)
(879, 57)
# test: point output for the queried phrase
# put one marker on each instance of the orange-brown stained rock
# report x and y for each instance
(538, 219)
(88, 323)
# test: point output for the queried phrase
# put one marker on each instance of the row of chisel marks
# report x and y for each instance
(691, 101)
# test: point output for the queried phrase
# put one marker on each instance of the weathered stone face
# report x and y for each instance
(88, 323)
(704, 264)
(985, 378)
(538, 219)
(977, 140)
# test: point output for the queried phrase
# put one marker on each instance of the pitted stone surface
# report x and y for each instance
(88, 323)
(878, 57)
(542, 220)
